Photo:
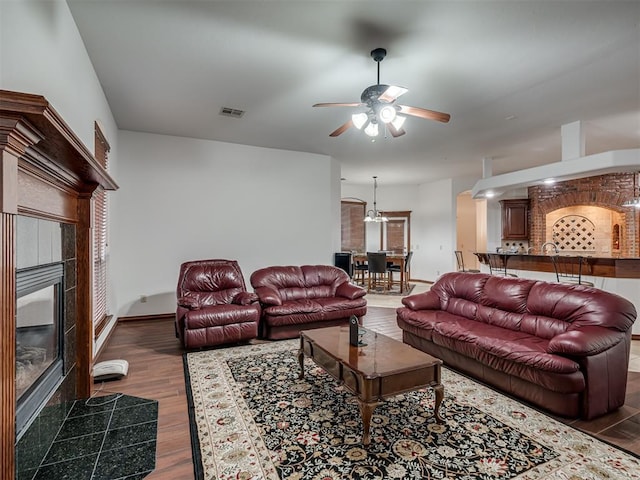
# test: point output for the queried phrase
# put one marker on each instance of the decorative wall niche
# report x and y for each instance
(577, 197)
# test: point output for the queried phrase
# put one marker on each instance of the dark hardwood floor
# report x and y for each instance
(156, 372)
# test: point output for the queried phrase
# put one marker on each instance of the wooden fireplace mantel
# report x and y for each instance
(46, 172)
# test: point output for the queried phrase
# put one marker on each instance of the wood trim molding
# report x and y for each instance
(106, 340)
(15, 138)
(84, 299)
(62, 144)
(7, 346)
(100, 326)
(137, 318)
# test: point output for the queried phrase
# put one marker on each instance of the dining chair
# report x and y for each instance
(393, 268)
(360, 268)
(377, 268)
(460, 260)
(568, 269)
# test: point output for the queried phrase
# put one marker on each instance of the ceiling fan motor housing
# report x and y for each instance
(371, 94)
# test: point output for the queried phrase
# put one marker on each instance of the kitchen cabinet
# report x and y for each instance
(515, 219)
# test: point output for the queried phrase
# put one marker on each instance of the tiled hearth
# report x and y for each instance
(103, 438)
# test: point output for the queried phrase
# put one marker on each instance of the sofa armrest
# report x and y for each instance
(245, 298)
(585, 342)
(422, 301)
(189, 303)
(347, 290)
(269, 296)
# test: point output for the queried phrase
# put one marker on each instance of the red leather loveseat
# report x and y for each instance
(564, 348)
(295, 298)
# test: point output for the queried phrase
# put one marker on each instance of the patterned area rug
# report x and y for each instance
(253, 419)
(393, 291)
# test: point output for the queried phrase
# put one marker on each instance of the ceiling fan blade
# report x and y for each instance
(392, 93)
(395, 132)
(424, 113)
(341, 129)
(355, 104)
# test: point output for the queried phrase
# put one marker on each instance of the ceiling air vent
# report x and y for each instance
(231, 112)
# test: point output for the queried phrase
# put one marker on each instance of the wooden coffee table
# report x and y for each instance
(381, 369)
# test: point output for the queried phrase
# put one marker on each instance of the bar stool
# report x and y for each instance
(460, 260)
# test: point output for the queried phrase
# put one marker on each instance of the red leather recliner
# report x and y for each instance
(214, 306)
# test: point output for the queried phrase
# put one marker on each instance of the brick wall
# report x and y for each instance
(606, 191)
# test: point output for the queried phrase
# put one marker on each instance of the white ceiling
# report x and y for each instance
(509, 73)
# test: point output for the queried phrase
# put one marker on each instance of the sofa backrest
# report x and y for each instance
(299, 282)
(539, 308)
(210, 282)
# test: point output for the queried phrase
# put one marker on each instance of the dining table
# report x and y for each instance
(393, 258)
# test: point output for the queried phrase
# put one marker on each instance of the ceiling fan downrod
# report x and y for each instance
(378, 55)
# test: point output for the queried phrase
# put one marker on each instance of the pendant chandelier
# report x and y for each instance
(635, 200)
(374, 215)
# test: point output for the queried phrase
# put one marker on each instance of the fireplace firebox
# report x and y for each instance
(39, 339)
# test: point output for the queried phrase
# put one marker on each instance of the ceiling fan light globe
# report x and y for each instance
(398, 122)
(371, 129)
(359, 119)
(387, 113)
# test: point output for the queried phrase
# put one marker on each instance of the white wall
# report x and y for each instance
(433, 222)
(436, 230)
(186, 199)
(41, 52)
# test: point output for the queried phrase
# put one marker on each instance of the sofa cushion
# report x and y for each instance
(304, 282)
(338, 304)
(291, 307)
(221, 315)
(581, 306)
(506, 293)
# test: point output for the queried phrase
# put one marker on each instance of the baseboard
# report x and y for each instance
(137, 318)
(417, 280)
(635, 337)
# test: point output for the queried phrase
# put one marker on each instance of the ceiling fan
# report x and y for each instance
(381, 108)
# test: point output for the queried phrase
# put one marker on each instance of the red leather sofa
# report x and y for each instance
(214, 306)
(564, 348)
(295, 298)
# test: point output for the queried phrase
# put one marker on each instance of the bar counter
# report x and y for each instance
(608, 267)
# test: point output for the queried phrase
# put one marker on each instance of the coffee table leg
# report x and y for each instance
(366, 411)
(439, 389)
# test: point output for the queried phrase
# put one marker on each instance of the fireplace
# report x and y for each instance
(48, 178)
(39, 339)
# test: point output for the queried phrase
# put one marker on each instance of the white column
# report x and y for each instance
(487, 167)
(573, 140)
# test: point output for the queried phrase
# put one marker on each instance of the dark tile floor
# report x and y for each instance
(103, 438)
